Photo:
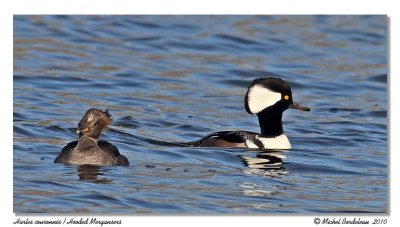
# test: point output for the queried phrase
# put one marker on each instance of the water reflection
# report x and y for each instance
(91, 173)
(266, 160)
(266, 163)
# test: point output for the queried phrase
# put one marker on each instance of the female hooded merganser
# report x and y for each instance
(267, 98)
(89, 150)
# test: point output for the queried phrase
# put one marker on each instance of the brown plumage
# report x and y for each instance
(88, 150)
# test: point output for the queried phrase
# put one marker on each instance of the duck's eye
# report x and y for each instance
(286, 97)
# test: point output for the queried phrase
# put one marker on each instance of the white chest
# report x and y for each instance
(279, 142)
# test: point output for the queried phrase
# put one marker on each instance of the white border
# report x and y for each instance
(201, 7)
(9, 8)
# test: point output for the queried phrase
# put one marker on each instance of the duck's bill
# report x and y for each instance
(296, 106)
(82, 130)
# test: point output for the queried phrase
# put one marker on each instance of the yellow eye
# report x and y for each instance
(286, 97)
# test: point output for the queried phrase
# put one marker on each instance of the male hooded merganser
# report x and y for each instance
(267, 98)
(89, 150)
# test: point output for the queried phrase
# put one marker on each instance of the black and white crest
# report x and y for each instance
(265, 92)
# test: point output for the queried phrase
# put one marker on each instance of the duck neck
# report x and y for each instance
(270, 123)
(86, 141)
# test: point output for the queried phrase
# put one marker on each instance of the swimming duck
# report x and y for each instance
(267, 98)
(89, 150)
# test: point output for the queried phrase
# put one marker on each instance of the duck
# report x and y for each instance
(88, 149)
(267, 98)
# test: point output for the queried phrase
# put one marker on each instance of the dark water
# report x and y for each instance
(177, 78)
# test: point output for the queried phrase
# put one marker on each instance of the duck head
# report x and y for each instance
(93, 123)
(272, 94)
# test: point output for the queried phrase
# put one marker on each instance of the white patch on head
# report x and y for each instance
(260, 98)
(279, 142)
